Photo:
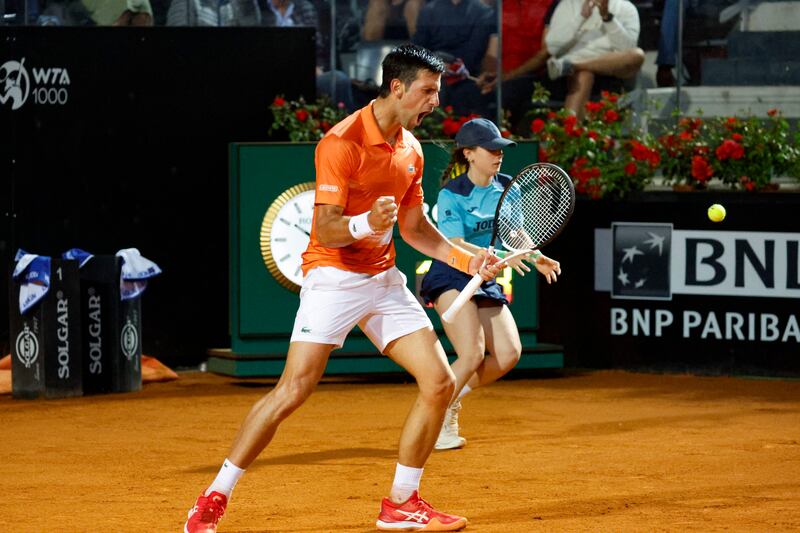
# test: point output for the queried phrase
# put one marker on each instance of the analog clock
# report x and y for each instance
(285, 232)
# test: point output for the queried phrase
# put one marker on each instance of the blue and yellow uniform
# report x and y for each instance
(467, 211)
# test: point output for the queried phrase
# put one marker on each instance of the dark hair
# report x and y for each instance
(404, 62)
(457, 159)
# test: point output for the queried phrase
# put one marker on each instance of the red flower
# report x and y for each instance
(301, 114)
(552, 115)
(594, 107)
(747, 183)
(772, 112)
(729, 148)
(279, 102)
(505, 133)
(325, 125)
(736, 136)
(537, 125)
(448, 109)
(569, 123)
(542, 154)
(630, 168)
(655, 158)
(450, 127)
(639, 151)
(701, 170)
(610, 116)
(593, 135)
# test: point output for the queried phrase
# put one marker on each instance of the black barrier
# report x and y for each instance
(111, 330)
(650, 282)
(121, 127)
(46, 340)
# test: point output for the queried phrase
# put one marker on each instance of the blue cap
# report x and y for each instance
(483, 133)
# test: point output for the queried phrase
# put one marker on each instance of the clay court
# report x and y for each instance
(595, 451)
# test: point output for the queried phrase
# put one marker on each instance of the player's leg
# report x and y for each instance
(422, 355)
(305, 364)
(325, 317)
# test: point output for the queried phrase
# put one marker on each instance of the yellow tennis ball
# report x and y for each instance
(716, 213)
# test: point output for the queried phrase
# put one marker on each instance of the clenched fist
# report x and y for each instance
(383, 214)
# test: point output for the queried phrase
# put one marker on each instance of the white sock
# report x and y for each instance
(406, 481)
(228, 475)
(464, 391)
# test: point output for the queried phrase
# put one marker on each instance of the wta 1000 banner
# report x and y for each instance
(738, 287)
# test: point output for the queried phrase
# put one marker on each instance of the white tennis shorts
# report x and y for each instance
(333, 301)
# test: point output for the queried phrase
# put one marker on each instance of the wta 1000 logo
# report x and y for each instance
(47, 86)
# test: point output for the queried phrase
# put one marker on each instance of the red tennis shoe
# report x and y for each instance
(206, 513)
(415, 514)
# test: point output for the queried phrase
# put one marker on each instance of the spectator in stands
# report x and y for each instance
(394, 20)
(120, 12)
(524, 54)
(283, 13)
(303, 13)
(213, 13)
(465, 31)
(668, 43)
(588, 38)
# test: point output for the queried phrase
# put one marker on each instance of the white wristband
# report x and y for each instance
(359, 226)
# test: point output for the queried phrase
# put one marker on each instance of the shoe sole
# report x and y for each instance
(451, 445)
(433, 525)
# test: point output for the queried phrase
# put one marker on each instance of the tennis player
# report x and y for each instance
(465, 212)
(369, 178)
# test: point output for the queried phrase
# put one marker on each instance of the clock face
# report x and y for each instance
(285, 233)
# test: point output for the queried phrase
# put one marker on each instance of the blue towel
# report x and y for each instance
(35, 273)
(82, 256)
(136, 270)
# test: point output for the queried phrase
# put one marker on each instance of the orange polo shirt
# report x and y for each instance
(355, 166)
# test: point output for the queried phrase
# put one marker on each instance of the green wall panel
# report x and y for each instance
(261, 310)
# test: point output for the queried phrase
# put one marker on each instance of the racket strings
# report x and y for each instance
(537, 204)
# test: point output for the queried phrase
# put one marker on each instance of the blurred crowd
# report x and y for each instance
(575, 48)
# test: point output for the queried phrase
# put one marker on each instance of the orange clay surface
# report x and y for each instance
(602, 451)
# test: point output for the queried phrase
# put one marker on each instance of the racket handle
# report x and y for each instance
(462, 298)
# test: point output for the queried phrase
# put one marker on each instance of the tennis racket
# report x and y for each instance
(532, 211)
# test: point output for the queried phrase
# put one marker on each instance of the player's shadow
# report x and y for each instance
(313, 458)
(325, 456)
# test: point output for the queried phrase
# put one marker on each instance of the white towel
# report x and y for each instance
(35, 272)
(136, 270)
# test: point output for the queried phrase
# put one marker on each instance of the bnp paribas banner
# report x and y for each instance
(699, 285)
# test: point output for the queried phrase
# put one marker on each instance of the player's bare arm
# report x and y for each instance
(418, 232)
(333, 228)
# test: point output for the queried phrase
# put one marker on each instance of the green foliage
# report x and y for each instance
(744, 153)
(605, 154)
(304, 121)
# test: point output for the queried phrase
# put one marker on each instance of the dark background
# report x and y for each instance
(138, 158)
